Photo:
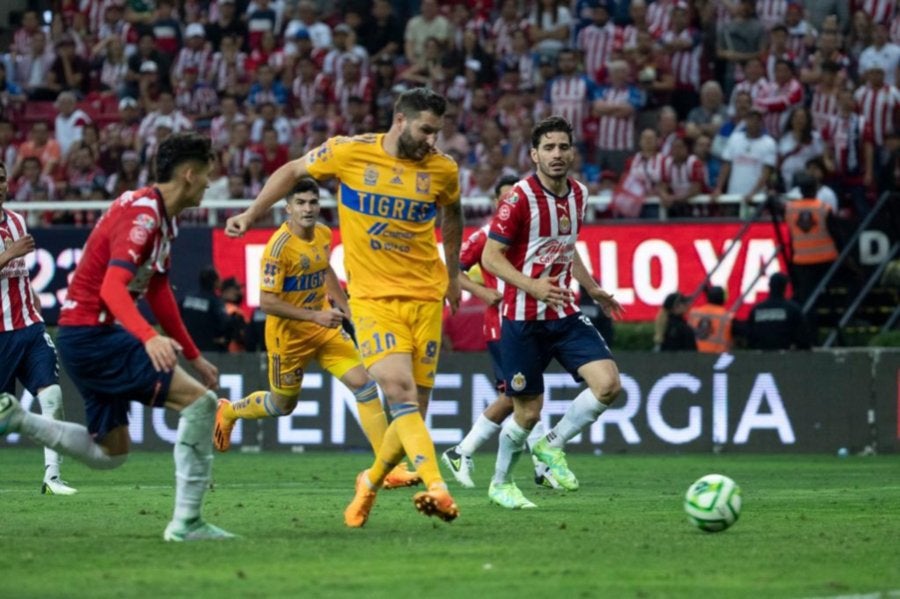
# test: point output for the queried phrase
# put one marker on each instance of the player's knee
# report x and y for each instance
(104, 461)
(285, 402)
(609, 390)
(202, 408)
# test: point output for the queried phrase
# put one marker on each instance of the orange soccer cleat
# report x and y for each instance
(357, 512)
(222, 431)
(401, 476)
(436, 501)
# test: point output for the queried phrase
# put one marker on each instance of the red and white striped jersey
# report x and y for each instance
(227, 74)
(796, 41)
(21, 43)
(845, 135)
(659, 15)
(470, 255)
(648, 172)
(878, 106)
(597, 45)
(344, 90)
(680, 177)
(202, 60)
(881, 11)
(771, 12)
(201, 99)
(502, 33)
(777, 102)
(614, 132)
(220, 129)
(772, 58)
(824, 106)
(756, 89)
(568, 97)
(306, 92)
(666, 141)
(17, 309)
(629, 37)
(540, 230)
(685, 63)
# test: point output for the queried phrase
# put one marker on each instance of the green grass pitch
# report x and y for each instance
(811, 526)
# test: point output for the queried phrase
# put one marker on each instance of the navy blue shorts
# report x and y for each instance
(110, 368)
(495, 350)
(29, 356)
(528, 346)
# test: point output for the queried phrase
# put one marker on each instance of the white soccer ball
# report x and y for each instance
(713, 502)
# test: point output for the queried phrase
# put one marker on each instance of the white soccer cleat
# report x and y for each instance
(461, 466)
(198, 530)
(56, 486)
(11, 414)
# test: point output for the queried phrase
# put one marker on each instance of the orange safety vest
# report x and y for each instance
(712, 328)
(811, 241)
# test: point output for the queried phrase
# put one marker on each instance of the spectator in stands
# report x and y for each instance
(108, 55)
(128, 176)
(816, 169)
(236, 156)
(824, 105)
(228, 24)
(712, 322)
(667, 129)
(32, 182)
(818, 10)
(137, 65)
(267, 89)
(307, 16)
(711, 164)
(827, 50)
(684, 178)
(598, 41)
(229, 71)
(799, 144)
(742, 104)
(652, 70)
(196, 53)
(273, 154)
(23, 36)
(778, 50)
(167, 29)
(710, 115)
(69, 123)
(550, 26)
(749, 159)
(197, 100)
(204, 315)
(644, 178)
(69, 72)
(881, 53)
(801, 35)
(783, 95)
(267, 52)
(268, 118)
(344, 46)
(32, 71)
(165, 109)
(41, 146)
(755, 82)
(672, 332)
(254, 176)
(878, 103)
(220, 126)
(813, 248)
(571, 93)
(616, 106)
(428, 24)
(740, 40)
(8, 148)
(382, 34)
(683, 44)
(11, 95)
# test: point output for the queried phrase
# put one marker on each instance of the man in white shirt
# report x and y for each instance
(749, 159)
(882, 53)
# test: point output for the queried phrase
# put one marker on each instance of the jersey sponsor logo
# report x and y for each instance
(377, 228)
(504, 213)
(550, 252)
(518, 381)
(305, 282)
(389, 246)
(386, 206)
(370, 175)
(138, 235)
(423, 183)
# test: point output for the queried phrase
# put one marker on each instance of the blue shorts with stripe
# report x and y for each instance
(527, 346)
(110, 368)
(28, 355)
(495, 350)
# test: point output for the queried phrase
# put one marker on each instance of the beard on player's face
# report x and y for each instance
(409, 148)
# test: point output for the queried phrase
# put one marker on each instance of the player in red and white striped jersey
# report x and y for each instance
(26, 351)
(878, 103)
(531, 247)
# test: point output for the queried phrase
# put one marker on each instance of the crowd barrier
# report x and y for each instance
(748, 402)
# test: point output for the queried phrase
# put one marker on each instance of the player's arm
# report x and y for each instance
(273, 305)
(22, 246)
(486, 294)
(451, 231)
(605, 300)
(277, 187)
(542, 288)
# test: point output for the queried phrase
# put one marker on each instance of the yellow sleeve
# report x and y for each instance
(271, 275)
(325, 161)
(449, 192)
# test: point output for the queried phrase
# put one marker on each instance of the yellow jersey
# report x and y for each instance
(387, 208)
(294, 269)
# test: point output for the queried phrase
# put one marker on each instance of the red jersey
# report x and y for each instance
(469, 256)
(136, 234)
(541, 230)
(17, 309)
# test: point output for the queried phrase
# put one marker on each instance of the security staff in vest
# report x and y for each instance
(204, 315)
(813, 250)
(712, 323)
(777, 322)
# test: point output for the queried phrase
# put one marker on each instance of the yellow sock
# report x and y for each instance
(389, 454)
(417, 442)
(371, 415)
(257, 405)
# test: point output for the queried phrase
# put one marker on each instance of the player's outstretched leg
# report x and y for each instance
(503, 491)
(65, 437)
(193, 468)
(50, 398)
(459, 459)
(259, 404)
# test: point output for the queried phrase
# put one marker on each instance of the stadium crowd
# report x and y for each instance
(669, 98)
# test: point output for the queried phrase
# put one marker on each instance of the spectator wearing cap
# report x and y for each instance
(749, 158)
(777, 323)
(422, 27)
(550, 26)
(598, 41)
(382, 34)
(127, 176)
(228, 23)
(137, 64)
(344, 40)
(196, 53)
(740, 40)
(124, 132)
(307, 17)
(109, 53)
(266, 89)
(878, 102)
(69, 72)
(167, 29)
(780, 98)
(882, 52)
(32, 69)
(672, 332)
(69, 122)
(710, 114)
(616, 106)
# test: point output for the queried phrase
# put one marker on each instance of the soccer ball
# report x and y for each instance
(713, 502)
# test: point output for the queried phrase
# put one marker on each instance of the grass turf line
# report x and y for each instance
(810, 526)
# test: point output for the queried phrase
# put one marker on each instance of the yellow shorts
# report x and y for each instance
(292, 346)
(400, 326)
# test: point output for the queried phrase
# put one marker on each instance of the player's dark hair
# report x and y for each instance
(551, 124)
(420, 99)
(178, 149)
(304, 185)
(503, 182)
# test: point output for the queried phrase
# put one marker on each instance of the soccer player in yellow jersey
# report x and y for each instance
(295, 277)
(391, 187)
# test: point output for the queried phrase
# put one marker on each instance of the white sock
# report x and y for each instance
(193, 456)
(510, 446)
(483, 429)
(70, 439)
(536, 433)
(582, 412)
(51, 402)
